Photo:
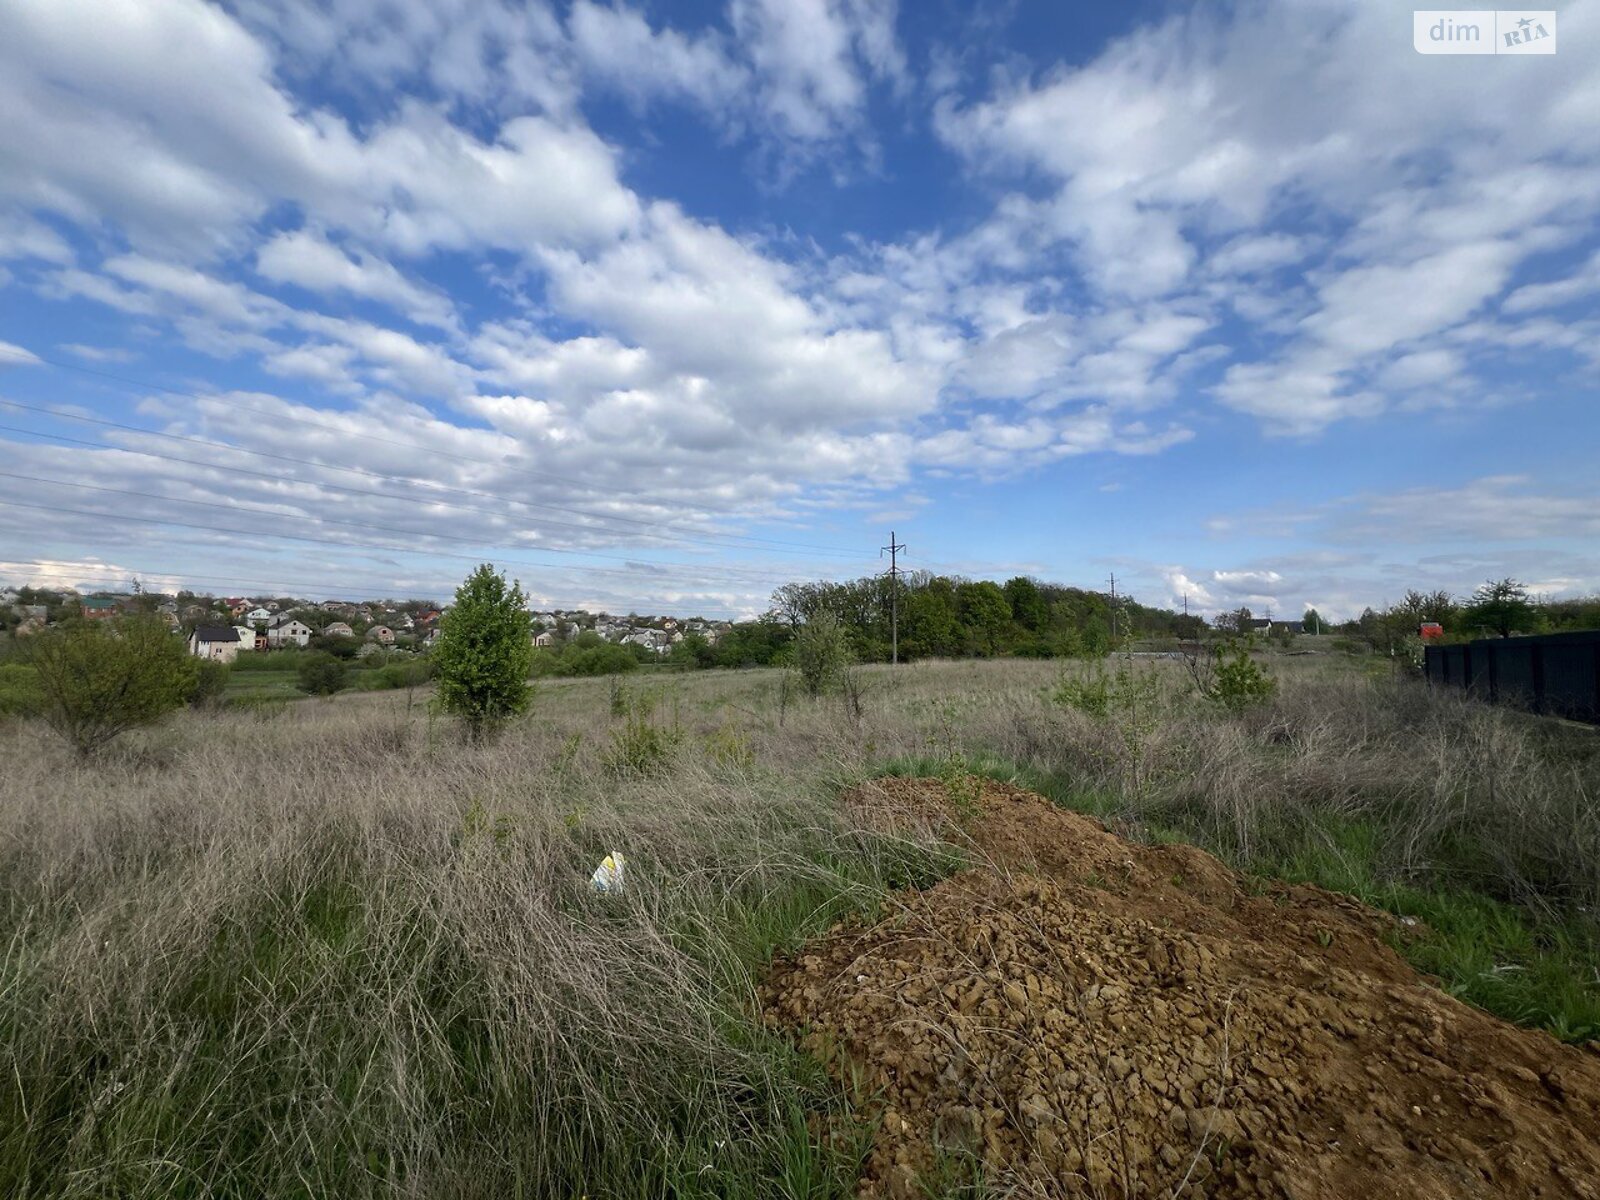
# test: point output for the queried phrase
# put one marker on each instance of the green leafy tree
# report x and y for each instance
(821, 653)
(99, 679)
(984, 612)
(1313, 622)
(1503, 606)
(928, 624)
(1028, 608)
(485, 653)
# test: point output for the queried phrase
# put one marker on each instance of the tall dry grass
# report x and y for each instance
(335, 951)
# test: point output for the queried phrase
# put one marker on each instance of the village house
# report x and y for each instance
(257, 615)
(284, 630)
(381, 634)
(237, 606)
(650, 639)
(544, 639)
(99, 608)
(337, 629)
(214, 643)
(249, 640)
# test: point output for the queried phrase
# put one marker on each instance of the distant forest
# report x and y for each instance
(945, 617)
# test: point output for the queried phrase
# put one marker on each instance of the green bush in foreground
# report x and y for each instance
(485, 653)
(99, 679)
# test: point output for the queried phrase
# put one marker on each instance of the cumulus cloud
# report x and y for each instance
(309, 261)
(1280, 211)
(1187, 157)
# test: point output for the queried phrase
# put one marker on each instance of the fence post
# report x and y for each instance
(1536, 661)
(1494, 673)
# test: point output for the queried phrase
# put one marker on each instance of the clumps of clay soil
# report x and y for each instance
(1084, 1016)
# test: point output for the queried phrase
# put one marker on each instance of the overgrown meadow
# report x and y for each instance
(327, 948)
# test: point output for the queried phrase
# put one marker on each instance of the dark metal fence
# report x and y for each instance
(1556, 673)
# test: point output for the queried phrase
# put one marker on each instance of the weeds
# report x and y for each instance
(642, 748)
(291, 957)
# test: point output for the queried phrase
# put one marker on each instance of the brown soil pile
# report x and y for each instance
(1099, 1018)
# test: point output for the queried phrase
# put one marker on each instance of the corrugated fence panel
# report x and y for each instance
(1556, 673)
(1569, 681)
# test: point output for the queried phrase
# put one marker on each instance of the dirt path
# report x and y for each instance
(1091, 1017)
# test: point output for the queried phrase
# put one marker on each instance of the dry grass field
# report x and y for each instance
(325, 948)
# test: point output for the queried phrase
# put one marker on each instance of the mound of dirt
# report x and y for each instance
(1092, 1017)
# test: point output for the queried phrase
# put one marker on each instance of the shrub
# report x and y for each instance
(321, 675)
(19, 690)
(394, 675)
(337, 645)
(1240, 682)
(485, 653)
(588, 660)
(99, 679)
(210, 681)
(1088, 692)
(821, 653)
(641, 747)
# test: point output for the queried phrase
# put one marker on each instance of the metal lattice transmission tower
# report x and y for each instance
(894, 550)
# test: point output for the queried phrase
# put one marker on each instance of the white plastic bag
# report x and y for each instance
(607, 876)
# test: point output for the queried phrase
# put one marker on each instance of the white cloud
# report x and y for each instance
(99, 354)
(1374, 308)
(12, 355)
(1581, 283)
(617, 46)
(1193, 156)
(310, 261)
(812, 60)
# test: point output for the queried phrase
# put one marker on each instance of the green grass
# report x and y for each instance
(1530, 965)
(1533, 967)
(389, 1013)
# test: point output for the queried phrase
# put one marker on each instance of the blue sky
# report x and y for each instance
(662, 305)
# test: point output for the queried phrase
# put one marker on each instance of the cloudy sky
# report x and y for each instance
(662, 304)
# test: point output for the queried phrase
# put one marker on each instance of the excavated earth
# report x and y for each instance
(1085, 1016)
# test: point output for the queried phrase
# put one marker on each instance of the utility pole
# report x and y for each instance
(1113, 610)
(894, 549)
